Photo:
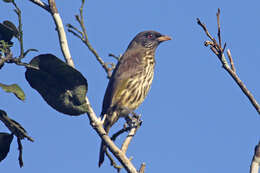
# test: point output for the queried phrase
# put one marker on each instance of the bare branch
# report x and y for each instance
(20, 31)
(254, 168)
(219, 51)
(98, 126)
(218, 21)
(114, 56)
(14, 127)
(73, 28)
(20, 148)
(8, 58)
(136, 120)
(61, 32)
(123, 130)
(231, 61)
(206, 30)
(41, 4)
(142, 168)
(85, 40)
(74, 33)
(113, 162)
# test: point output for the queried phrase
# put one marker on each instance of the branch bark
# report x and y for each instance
(61, 32)
(52, 9)
(97, 124)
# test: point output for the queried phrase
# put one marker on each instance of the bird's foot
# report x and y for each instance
(133, 121)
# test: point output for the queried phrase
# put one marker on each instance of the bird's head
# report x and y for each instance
(148, 39)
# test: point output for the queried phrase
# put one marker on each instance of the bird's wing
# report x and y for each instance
(128, 66)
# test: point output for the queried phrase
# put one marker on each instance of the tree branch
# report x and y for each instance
(136, 123)
(219, 51)
(20, 148)
(41, 4)
(14, 126)
(20, 31)
(98, 126)
(85, 40)
(142, 168)
(61, 32)
(52, 9)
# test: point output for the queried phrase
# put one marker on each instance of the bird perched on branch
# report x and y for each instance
(131, 80)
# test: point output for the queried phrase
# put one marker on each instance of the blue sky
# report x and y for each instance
(195, 118)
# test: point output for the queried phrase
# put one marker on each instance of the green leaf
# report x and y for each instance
(61, 86)
(15, 89)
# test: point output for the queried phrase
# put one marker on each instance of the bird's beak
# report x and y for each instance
(164, 38)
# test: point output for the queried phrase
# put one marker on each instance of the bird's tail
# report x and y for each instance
(103, 147)
(109, 122)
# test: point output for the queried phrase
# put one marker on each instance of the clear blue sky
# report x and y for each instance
(195, 118)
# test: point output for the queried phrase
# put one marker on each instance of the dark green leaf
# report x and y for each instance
(5, 142)
(6, 33)
(61, 86)
(11, 26)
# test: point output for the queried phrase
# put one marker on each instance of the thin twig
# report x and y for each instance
(123, 130)
(113, 162)
(142, 168)
(136, 122)
(14, 126)
(218, 50)
(20, 148)
(206, 30)
(128, 139)
(114, 56)
(20, 30)
(74, 33)
(8, 58)
(218, 21)
(85, 40)
(73, 28)
(231, 60)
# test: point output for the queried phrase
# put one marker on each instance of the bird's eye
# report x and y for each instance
(149, 36)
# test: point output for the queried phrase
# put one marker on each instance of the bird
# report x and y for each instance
(130, 81)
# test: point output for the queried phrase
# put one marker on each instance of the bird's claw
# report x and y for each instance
(134, 120)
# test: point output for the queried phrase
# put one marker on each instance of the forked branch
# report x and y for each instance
(83, 36)
(219, 51)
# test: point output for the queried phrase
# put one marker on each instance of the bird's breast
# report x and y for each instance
(138, 86)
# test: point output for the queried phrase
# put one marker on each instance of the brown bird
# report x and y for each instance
(131, 80)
